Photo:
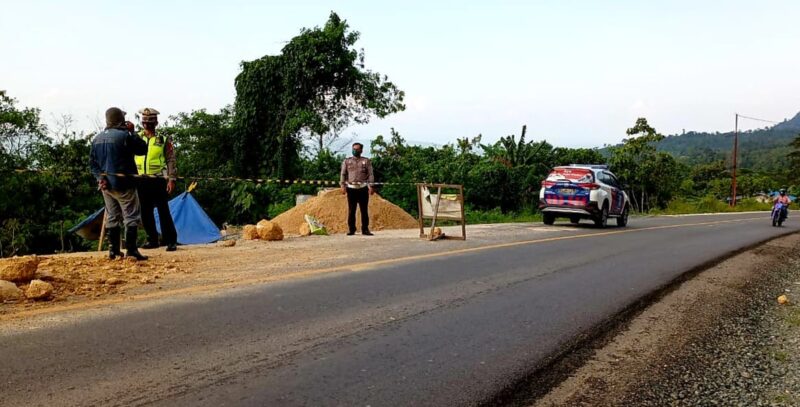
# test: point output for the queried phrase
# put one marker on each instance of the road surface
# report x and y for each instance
(452, 328)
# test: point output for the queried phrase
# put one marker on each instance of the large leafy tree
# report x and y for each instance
(652, 176)
(203, 141)
(315, 87)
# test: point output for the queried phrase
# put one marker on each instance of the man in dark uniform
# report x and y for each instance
(159, 163)
(357, 181)
(112, 153)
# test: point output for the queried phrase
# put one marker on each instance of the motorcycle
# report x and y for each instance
(779, 212)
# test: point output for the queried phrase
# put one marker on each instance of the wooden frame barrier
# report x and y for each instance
(431, 207)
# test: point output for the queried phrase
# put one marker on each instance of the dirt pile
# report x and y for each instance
(88, 277)
(330, 208)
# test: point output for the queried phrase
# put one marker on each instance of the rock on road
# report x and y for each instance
(448, 329)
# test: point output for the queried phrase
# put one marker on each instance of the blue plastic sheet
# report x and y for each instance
(191, 221)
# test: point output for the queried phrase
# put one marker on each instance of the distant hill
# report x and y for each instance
(790, 125)
(762, 149)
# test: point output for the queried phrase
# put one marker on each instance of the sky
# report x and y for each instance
(577, 73)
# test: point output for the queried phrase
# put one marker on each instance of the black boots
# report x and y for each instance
(113, 243)
(131, 234)
(171, 247)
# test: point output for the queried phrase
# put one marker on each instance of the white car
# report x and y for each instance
(583, 192)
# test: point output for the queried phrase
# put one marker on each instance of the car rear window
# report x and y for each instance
(578, 175)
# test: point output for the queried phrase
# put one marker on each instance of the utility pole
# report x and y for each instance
(735, 155)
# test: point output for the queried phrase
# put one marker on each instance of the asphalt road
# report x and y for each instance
(453, 329)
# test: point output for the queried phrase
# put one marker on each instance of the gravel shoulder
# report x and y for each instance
(718, 339)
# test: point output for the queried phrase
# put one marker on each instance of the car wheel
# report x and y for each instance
(548, 218)
(622, 220)
(602, 220)
(575, 220)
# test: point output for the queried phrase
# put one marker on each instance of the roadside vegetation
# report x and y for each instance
(710, 204)
(273, 130)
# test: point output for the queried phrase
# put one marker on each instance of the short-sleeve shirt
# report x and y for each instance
(356, 172)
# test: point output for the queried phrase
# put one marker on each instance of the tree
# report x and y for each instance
(203, 141)
(37, 207)
(794, 159)
(566, 156)
(317, 86)
(20, 131)
(653, 176)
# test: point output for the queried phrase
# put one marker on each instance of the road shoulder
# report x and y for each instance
(719, 338)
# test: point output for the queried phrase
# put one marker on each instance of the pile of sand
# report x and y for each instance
(330, 208)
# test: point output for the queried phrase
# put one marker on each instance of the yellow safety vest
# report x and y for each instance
(154, 161)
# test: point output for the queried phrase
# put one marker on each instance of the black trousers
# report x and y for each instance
(153, 194)
(360, 197)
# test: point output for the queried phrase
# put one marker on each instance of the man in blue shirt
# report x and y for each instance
(112, 164)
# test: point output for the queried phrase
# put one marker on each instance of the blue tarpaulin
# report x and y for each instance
(191, 222)
(89, 228)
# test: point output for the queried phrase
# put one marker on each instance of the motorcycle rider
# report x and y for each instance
(785, 200)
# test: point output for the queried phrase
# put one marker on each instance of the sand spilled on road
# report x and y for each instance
(91, 276)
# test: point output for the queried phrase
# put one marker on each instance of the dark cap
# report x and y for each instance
(115, 117)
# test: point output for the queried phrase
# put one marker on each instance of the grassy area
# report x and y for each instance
(709, 204)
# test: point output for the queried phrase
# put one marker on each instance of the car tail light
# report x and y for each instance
(589, 185)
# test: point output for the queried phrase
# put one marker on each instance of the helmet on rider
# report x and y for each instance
(783, 191)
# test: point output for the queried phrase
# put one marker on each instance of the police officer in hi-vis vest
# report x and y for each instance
(153, 192)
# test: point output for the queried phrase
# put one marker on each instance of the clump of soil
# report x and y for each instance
(269, 230)
(330, 208)
(18, 269)
(250, 232)
(264, 230)
(39, 290)
(305, 230)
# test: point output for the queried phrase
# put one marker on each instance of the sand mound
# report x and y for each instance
(330, 208)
